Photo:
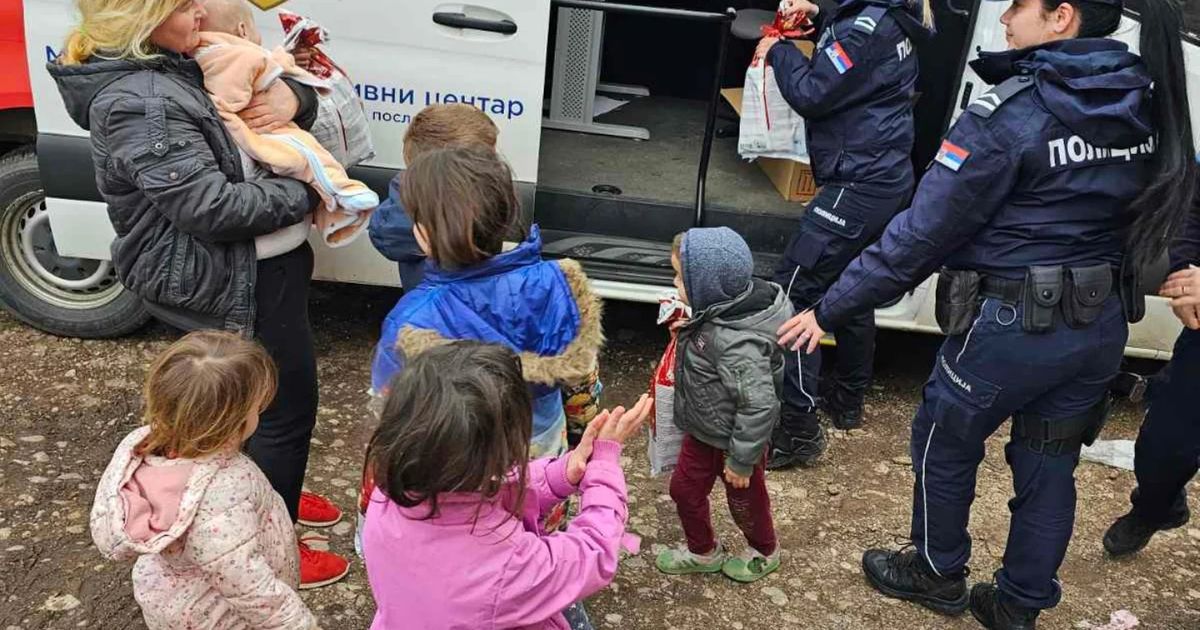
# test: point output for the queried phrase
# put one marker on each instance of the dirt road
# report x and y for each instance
(64, 405)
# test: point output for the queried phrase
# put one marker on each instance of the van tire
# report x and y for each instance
(63, 296)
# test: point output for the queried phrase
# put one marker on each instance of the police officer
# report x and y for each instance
(1167, 451)
(1080, 153)
(856, 95)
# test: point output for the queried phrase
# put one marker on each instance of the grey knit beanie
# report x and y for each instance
(716, 265)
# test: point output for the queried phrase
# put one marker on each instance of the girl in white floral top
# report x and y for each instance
(215, 547)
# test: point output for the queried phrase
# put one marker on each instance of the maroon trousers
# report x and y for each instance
(699, 467)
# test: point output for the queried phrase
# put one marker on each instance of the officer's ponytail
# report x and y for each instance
(1162, 206)
(926, 13)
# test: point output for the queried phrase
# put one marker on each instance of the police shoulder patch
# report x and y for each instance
(868, 20)
(990, 101)
(841, 60)
(951, 155)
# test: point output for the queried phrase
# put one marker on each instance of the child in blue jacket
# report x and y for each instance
(463, 206)
(435, 127)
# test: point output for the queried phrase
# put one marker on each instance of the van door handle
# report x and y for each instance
(461, 20)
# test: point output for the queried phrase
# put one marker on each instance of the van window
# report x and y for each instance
(1191, 16)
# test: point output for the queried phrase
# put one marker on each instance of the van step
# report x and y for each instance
(623, 259)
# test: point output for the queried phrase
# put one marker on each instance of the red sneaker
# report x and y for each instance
(320, 568)
(317, 511)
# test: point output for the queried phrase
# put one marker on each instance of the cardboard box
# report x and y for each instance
(793, 180)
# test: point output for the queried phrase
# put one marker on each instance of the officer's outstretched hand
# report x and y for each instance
(801, 331)
(764, 47)
(1183, 288)
(791, 7)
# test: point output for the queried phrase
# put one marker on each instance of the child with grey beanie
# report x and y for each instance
(728, 372)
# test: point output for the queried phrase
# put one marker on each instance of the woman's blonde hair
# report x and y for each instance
(116, 29)
(926, 14)
(200, 392)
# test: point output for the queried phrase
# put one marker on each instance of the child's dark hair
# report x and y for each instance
(464, 201)
(1165, 201)
(457, 419)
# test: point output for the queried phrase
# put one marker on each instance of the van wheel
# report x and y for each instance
(74, 297)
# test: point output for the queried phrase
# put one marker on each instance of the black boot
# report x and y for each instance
(989, 608)
(1131, 532)
(905, 574)
(796, 450)
(847, 418)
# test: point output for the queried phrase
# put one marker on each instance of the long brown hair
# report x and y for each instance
(457, 419)
(200, 392)
(463, 200)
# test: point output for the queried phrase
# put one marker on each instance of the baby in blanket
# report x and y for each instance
(236, 67)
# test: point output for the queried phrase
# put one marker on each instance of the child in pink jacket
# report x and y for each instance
(214, 545)
(451, 537)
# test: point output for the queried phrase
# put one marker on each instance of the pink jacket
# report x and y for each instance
(215, 547)
(452, 572)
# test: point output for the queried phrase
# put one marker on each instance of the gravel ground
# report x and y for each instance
(65, 403)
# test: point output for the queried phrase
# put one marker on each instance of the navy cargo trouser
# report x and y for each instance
(1167, 452)
(980, 379)
(838, 224)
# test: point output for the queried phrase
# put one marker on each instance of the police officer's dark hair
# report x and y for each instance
(1164, 203)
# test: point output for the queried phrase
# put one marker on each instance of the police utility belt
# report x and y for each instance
(1076, 295)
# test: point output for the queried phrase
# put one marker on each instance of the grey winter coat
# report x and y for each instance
(184, 216)
(728, 373)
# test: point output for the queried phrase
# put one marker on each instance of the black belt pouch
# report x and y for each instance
(1087, 289)
(1042, 294)
(1133, 297)
(957, 300)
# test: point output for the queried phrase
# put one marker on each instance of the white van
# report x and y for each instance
(610, 190)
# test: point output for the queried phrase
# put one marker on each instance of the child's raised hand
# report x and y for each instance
(620, 423)
(579, 457)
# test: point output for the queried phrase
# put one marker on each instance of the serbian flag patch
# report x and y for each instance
(951, 155)
(838, 56)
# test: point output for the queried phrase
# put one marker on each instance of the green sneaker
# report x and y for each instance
(681, 561)
(750, 566)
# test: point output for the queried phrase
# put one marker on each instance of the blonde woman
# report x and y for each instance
(186, 218)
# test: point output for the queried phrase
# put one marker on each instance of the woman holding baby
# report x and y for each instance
(187, 218)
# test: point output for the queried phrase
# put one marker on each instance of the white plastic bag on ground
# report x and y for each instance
(769, 126)
(1115, 453)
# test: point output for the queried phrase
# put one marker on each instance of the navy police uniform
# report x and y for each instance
(856, 95)
(1167, 451)
(1038, 172)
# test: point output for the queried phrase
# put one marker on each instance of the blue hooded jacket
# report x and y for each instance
(391, 232)
(543, 310)
(1038, 171)
(856, 94)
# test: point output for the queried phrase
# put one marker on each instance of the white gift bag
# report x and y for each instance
(769, 127)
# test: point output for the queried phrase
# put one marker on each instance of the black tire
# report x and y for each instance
(101, 309)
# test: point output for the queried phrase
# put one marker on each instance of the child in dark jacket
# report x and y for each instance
(435, 127)
(728, 371)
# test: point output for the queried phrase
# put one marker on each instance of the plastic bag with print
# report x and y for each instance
(666, 439)
(341, 125)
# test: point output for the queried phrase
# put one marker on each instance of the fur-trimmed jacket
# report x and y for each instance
(543, 310)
